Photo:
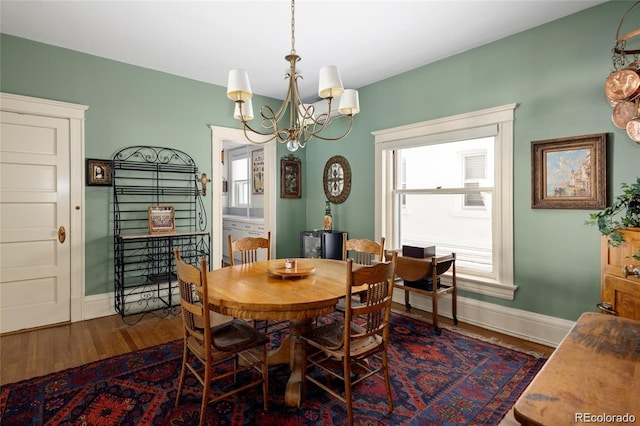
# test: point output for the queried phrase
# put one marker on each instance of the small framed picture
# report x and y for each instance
(98, 172)
(290, 177)
(257, 168)
(161, 220)
(569, 173)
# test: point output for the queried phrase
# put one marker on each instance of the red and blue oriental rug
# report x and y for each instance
(450, 379)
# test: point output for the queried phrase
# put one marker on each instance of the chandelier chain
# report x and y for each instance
(293, 27)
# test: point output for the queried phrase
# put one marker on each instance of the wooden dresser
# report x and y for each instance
(620, 288)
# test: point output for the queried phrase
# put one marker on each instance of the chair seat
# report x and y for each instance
(330, 337)
(340, 305)
(236, 335)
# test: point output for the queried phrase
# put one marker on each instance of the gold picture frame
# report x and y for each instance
(99, 172)
(161, 220)
(569, 173)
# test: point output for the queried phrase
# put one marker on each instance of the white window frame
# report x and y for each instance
(499, 121)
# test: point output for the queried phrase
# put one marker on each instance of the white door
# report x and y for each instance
(35, 267)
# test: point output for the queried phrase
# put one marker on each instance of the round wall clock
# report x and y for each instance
(336, 179)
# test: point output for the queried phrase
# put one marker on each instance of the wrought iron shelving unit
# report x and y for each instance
(144, 267)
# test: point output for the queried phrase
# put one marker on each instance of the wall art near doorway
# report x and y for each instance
(290, 180)
(257, 171)
(98, 172)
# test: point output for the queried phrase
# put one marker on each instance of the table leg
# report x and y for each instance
(292, 396)
(282, 355)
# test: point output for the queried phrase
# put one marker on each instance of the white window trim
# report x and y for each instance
(456, 126)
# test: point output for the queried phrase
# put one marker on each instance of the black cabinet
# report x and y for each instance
(322, 244)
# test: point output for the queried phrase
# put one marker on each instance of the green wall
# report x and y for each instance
(554, 72)
(128, 105)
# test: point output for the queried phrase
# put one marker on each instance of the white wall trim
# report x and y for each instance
(538, 328)
(99, 305)
(102, 305)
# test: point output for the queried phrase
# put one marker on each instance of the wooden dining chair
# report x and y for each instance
(358, 342)
(248, 248)
(233, 342)
(363, 252)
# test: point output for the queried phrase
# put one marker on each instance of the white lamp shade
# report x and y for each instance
(349, 102)
(330, 85)
(247, 111)
(238, 87)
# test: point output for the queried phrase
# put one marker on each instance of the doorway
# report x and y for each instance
(221, 136)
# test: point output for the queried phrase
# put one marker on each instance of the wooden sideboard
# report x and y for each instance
(620, 288)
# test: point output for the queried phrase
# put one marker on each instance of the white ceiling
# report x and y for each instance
(202, 40)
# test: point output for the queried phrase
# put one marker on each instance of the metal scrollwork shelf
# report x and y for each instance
(144, 267)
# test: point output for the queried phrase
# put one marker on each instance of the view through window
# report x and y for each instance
(240, 178)
(446, 199)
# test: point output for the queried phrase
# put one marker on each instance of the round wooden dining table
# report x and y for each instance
(264, 291)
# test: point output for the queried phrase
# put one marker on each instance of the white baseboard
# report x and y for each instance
(525, 325)
(99, 305)
(538, 328)
(102, 305)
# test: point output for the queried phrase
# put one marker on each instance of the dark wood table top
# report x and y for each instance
(595, 371)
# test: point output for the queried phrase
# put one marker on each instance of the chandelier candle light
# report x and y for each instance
(303, 123)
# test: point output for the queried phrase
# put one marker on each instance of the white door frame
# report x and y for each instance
(218, 136)
(75, 114)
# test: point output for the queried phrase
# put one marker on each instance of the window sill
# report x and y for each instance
(484, 286)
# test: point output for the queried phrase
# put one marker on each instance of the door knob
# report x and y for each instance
(62, 234)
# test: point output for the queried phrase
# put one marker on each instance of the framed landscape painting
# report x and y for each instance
(569, 173)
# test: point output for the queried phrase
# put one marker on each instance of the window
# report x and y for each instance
(239, 177)
(448, 183)
(474, 172)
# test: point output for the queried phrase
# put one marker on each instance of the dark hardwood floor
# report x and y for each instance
(41, 351)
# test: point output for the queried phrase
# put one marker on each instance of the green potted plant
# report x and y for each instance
(623, 213)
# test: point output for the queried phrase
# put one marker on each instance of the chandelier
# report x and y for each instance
(303, 123)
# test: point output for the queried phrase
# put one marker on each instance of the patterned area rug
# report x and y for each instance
(450, 379)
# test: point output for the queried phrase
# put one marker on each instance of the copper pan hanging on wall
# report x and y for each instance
(633, 129)
(623, 85)
(623, 112)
